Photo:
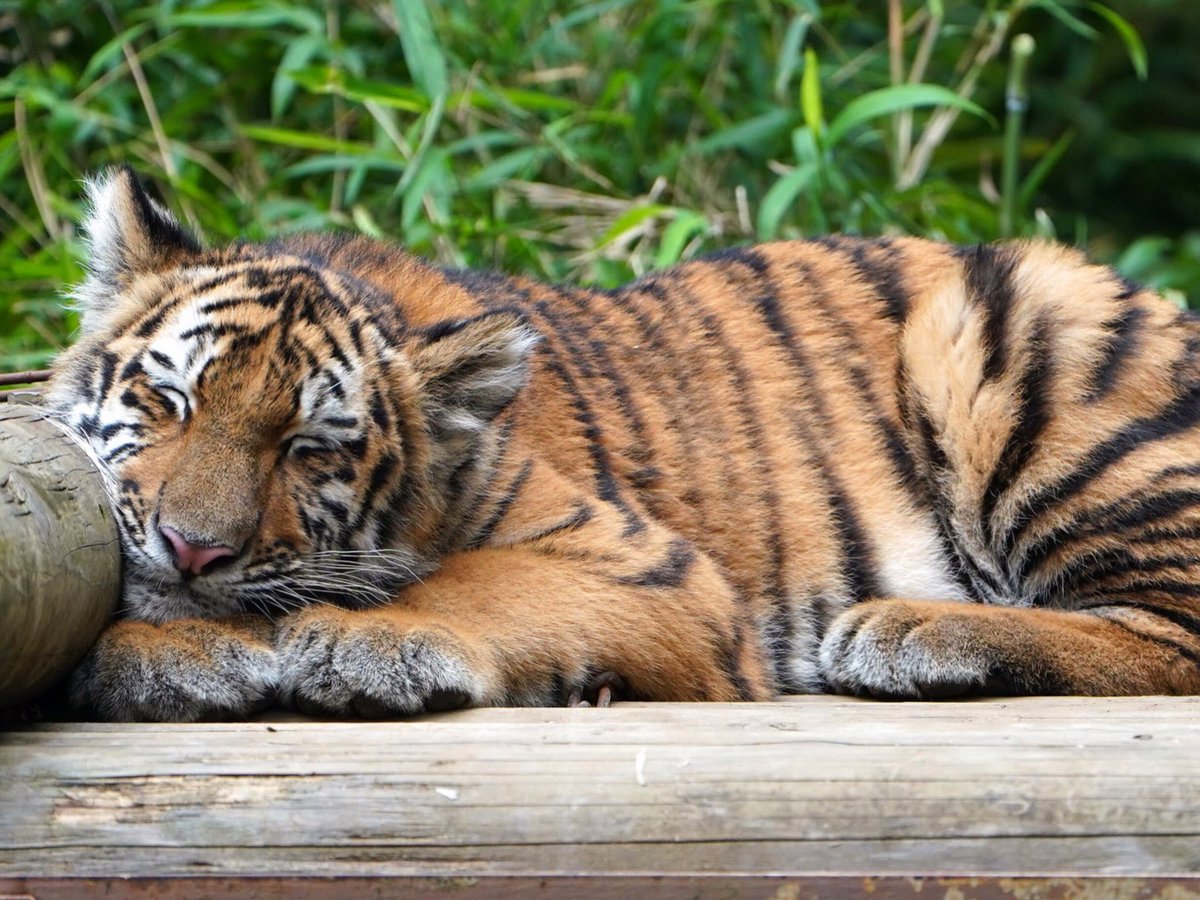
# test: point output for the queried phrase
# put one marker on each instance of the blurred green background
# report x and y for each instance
(594, 141)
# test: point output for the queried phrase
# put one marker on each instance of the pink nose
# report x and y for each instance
(191, 557)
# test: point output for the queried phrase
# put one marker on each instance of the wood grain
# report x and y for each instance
(814, 785)
(59, 558)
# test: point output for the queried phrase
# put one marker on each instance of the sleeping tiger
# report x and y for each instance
(350, 482)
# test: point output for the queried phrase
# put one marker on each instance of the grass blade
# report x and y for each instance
(887, 100)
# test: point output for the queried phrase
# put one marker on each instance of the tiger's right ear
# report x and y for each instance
(127, 234)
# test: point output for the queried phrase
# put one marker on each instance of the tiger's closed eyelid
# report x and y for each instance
(176, 397)
(301, 445)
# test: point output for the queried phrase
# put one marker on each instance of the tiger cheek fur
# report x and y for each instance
(359, 484)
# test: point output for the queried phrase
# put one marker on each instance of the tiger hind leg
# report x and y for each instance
(1053, 412)
(933, 650)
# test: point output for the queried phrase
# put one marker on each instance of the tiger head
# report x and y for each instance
(273, 427)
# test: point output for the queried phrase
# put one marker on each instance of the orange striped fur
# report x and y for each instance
(358, 483)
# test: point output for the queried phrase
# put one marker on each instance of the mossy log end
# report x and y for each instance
(59, 555)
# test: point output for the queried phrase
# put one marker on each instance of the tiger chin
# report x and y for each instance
(350, 482)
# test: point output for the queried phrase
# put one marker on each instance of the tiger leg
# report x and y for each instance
(515, 626)
(181, 671)
(901, 649)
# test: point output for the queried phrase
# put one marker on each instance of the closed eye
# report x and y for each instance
(176, 398)
(299, 446)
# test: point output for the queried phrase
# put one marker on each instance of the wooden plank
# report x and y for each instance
(807, 786)
(612, 888)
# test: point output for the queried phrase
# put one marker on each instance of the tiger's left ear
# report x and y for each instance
(470, 370)
(127, 234)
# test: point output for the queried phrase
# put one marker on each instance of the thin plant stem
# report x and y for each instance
(943, 119)
(895, 31)
(1016, 102)
(166, 157)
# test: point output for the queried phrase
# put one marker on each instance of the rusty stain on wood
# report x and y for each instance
(591, 887)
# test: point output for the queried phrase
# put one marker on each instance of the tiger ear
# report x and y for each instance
(469, 371)
(127, 234)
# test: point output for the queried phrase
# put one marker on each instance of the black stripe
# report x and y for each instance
(1182, 649)
(121, 450)
(1031, 419)
(854, 358)
(578, 339)
(988, 274)
(380, 473)
(266, 298)
(728, 643)
(215, 331)
(503, 506)
(1159, 585)
(1180, 415)
(108, 369)
(444, 329)
(133, 401)
(669, 572)
(972, 579)
(1129, 287)
(780, 640)
(163, 360)
(606, 485)
(1188, 621)
(1122, 343)
(338, 510)
(858, 556)
(1119, 518)
(1094, 567)
(114, 428)
(581, 515)
(131, 369)
(884, 275)
(688, 407)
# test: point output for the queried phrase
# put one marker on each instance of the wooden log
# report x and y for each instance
(59, 555)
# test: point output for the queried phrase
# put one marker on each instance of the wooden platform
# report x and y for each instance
(803, 796)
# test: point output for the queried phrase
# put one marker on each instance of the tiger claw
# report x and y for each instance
(598, 692)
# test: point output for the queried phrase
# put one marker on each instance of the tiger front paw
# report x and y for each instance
(182, 671)
(904, 650)
(335, 662)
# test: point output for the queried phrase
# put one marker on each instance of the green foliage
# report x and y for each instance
(578, 140)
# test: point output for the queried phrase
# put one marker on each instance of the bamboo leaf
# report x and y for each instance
(505, 167)
(333, 80)
(247, 15)
(780, 197)
(810, 94)
(422, 52)
(1046, 161)
(1072, 21)
(789, 52)
(111, 50)
(1128, 34)
(631, 219)
(887, 100)
(683, 228)
(748, 134)
(304, 140)
(297, 54)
